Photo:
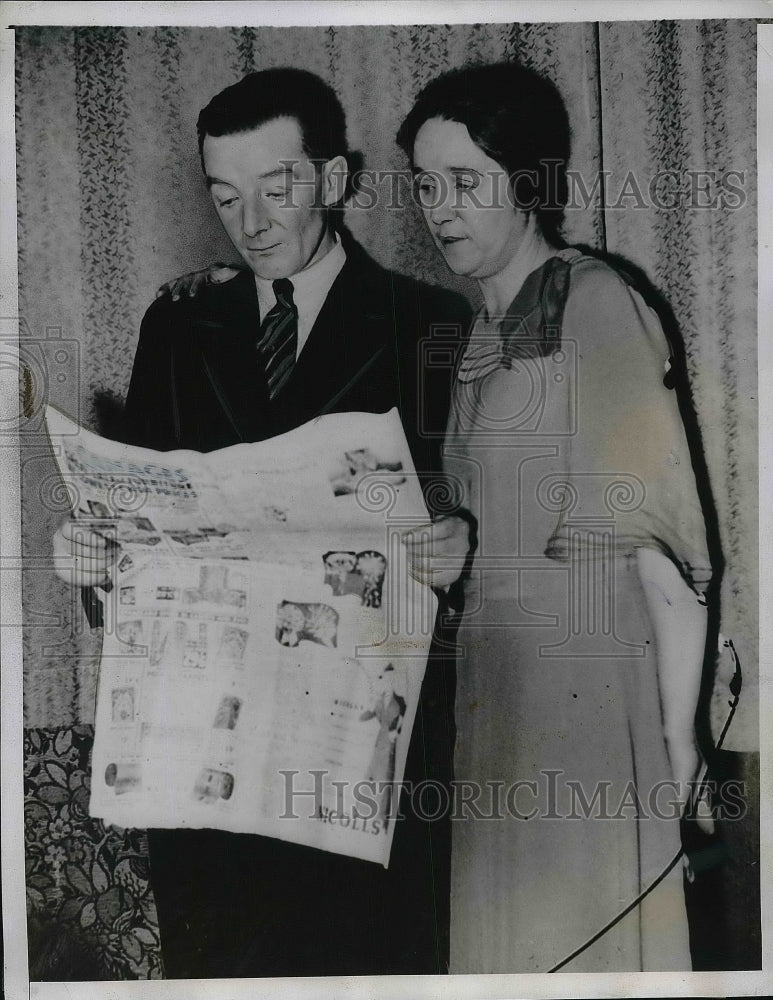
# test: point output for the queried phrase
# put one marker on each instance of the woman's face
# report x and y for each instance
(466, 200)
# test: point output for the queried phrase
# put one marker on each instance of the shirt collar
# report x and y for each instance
(310, 286)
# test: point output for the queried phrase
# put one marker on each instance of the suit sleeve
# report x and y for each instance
(445, 328)
(149, 413)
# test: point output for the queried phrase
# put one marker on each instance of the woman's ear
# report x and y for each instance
(334, 176)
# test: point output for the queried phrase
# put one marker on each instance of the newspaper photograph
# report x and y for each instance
(264, 645)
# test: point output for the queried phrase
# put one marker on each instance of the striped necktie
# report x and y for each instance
(278, 339)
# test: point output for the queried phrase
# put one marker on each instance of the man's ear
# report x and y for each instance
(334, 175)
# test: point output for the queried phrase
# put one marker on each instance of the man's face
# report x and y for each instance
(269, 197)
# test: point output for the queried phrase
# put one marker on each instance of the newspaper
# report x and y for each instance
(264, 644)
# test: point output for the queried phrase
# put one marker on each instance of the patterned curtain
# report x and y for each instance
(111, 203)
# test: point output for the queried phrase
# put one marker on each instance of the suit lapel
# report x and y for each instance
(225, 331)
(348, 338)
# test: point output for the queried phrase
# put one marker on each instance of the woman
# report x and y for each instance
(583, 634)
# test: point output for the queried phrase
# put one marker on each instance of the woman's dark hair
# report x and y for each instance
(279, 93)
(518, 118)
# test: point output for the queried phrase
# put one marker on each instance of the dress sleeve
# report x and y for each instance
(629, 465)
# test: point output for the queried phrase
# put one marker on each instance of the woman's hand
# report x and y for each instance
(686, 765)
(437, 552)
(190, 284)
(81, 556)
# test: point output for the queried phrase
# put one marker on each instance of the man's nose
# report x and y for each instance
(255, 219)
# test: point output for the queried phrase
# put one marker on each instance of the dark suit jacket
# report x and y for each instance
(236, 905)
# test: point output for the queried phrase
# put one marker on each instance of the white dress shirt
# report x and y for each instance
(310, 289)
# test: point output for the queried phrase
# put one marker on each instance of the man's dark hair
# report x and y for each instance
(279, 93)
(517, 117)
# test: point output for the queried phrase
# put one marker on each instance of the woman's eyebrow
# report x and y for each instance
(217, 180)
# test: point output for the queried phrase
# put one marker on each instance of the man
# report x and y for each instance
(312, 326)
(277, 186)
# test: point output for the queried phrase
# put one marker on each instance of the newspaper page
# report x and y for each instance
(264, 644)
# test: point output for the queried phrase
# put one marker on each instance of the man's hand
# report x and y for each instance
(190, 284)
(437, 552)
(81, 556)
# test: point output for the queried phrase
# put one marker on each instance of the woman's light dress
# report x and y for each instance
(570, 450)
